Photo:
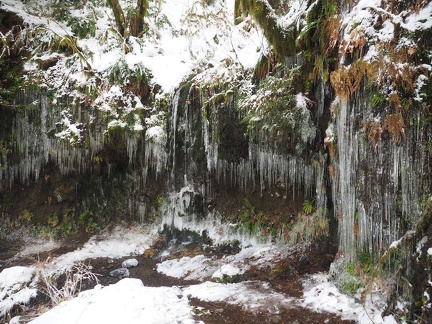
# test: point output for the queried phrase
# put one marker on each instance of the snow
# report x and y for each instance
(14, 289)
(129, 263)
(420, 21)
(323, 296)
(114, 244)
(128, 301)
(183, 38)
(227, 270)
(179, 45)
(15, 275)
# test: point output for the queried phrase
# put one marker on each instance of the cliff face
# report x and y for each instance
(329, 133)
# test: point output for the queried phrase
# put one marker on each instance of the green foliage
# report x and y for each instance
(308, 227)
(5, 151)
(120, 73)
(53, 220)
(308, 207)
(68, 44)
(271, 113)
(378, 98)
(162, 21)
(249, 205)
(26, 216)
(227, 279)
(82, 27)
(351, 285)
(10, 69)
(68, 226)
(87, 220)
(366, 261)
(350, 268)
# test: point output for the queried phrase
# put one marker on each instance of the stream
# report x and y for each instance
(268, 288)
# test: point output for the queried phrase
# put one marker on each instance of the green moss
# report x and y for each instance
(283, 42)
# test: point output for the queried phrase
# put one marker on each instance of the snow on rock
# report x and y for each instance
(188, 268)
(323, 296)
(251, 295)
(10, 277)
(120, 272)
(127, 301)
(16, 287)
(202, 268)
(227, 270)
(129, 263)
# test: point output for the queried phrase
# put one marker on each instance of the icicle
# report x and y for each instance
(173, 148)
(373, 187)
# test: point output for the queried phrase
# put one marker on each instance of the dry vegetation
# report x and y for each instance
(347, 80)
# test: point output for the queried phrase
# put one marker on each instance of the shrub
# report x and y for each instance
(73, 284)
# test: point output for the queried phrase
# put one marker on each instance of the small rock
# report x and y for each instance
(120, 272)
(129, 263)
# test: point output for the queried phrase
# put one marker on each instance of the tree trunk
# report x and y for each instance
(118, 15)
(137, 21)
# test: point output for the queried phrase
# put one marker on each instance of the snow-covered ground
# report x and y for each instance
(131, 301)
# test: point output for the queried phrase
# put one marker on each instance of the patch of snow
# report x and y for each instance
(395, 244)
(115, 243)
(419, 21)
(188, 268)
(36, 246)
(251, 295)
(420, 245)
(14, 289)
(12, 276)
(127, 301)
(227, 270)
(323, 296)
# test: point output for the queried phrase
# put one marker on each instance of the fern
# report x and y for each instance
(308, 207)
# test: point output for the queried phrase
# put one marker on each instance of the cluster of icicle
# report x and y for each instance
(375, 190)
(35, 144)
(264, 168)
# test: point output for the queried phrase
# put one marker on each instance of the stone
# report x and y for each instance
(120, 272)
(129, 263)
